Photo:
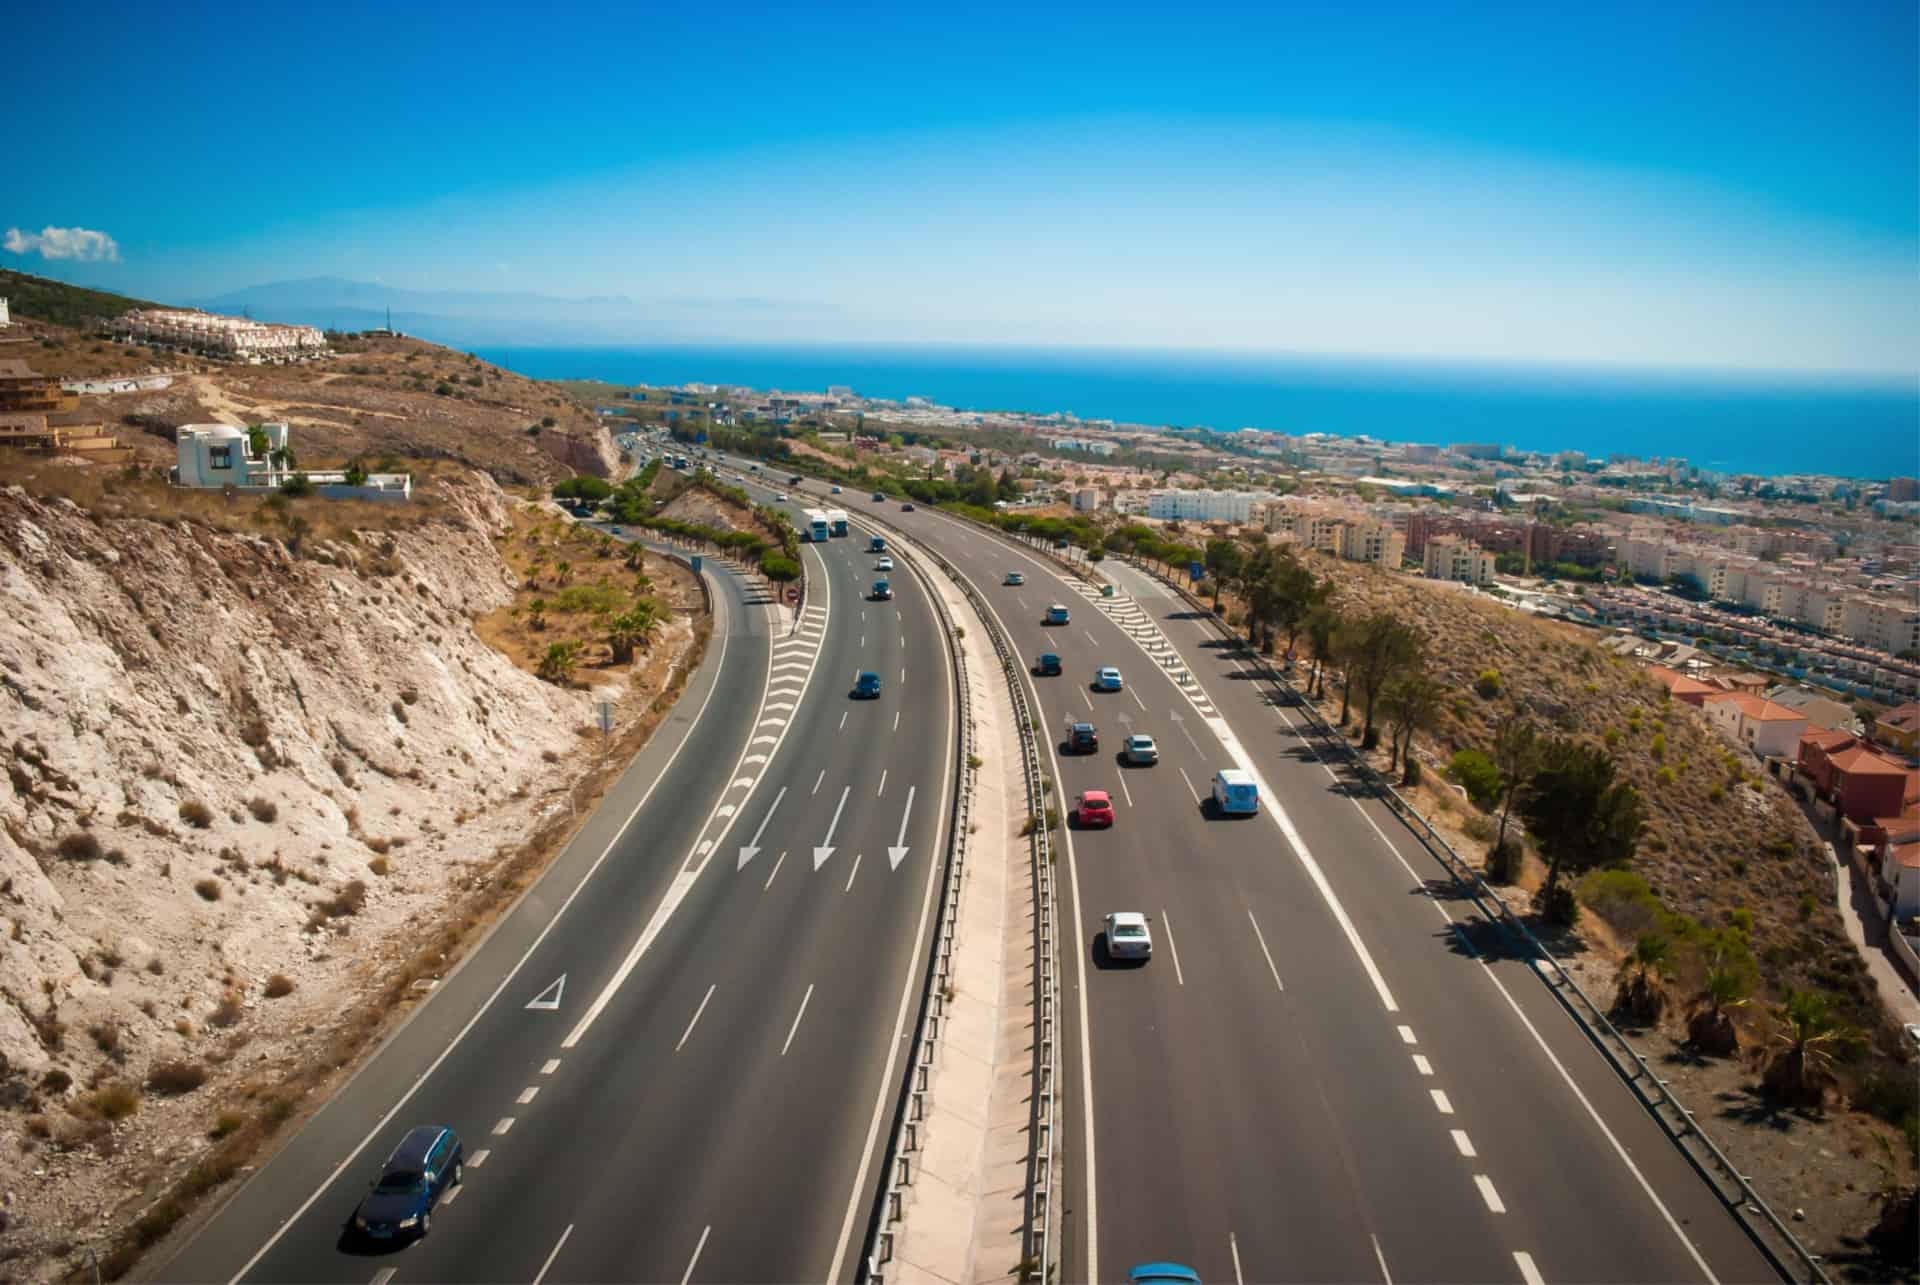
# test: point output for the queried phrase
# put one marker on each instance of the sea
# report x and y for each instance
(1729, 423)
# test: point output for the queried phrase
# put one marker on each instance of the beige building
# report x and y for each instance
(1375, 542)
(1448, 557)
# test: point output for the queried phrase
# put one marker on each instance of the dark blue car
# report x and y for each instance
(867, 686)
(1163, 1274)
(426, 1165)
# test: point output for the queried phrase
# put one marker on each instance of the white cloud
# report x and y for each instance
(83, 244)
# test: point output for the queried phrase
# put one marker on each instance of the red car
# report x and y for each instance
(1095, 809)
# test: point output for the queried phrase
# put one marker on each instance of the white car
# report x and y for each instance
(1127, 935)
(1141, 751)
(885, 564)
(1107, 680)
(782, 497)
(1015, 578)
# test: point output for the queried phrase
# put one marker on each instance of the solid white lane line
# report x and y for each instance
(502, 1125)
(527, 1095)
(851, 873)
(1463, 1144)
(1166, 925)
(696, 1018)
(1380, 1257)
(1189, 780)
(1406, 1035)
(776, 870)
(883, 784)
(1440, 1102)
(1263, 949)
(552, 1065)
(1488, 1194)
(823, 771)
(478, 1158)
(696, 1254)
(1528, 1272)
(843, 713)
(1125, 792)
(1233, 1243)
(542, 1274)
(1136, 700)
(1421, 1065)
(804, 1001)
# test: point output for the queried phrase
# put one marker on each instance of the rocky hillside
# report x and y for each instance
(236, 768)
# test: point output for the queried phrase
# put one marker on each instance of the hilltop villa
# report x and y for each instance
(216, 456)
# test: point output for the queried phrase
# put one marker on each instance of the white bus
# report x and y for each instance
(818, 526)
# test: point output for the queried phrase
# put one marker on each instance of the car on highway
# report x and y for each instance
(885, 564)
(1140, 750)
(1162, 1274)
(782, 497)
(867, 686)
(1095, 808)
(1056, 615)
(794, 480)
(836, 490)
(879, 497)
(1106, 679)
(1235, 793)
(1127, 935)
(1015, 578)
(1082, 738)
(1047, 666)
(615, 530)
(428, 1163)
(882, 591)
(907, 507)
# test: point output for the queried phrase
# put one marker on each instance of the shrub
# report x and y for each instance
(224, 1123)
(347, 901)
(1503, 861)
(173, 1078)
(380, 866)
(1478, 775)
(279, 986)
(228, 1012)
(1479, 828)
(209, 889)
(79, 846)
(106, 1038)
(1658, 746)
(1623, 899)
(1488, 685)
(114, 1101)
(263, 809)
(196, 814)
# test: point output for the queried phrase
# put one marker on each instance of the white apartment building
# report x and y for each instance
(207, 332)
(1885, 625)
(1091, 446)
(1448, 557)
(5, 318)
(1202, 506)
(1087, 499)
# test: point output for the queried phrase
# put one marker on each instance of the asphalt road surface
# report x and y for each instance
(676, 1058)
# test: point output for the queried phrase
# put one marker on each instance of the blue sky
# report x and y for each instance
(1697, 185)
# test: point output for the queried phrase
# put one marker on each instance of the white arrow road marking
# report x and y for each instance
(752, 846)
(824, 848)
(898, 852)
(549, 999)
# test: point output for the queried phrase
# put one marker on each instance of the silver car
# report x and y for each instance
(1127, 935)
(1141, 751)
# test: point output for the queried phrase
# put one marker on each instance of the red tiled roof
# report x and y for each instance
(1828, 739)
(1772, 713)
(1905, 717)
(1858, 760)
(1905, 855)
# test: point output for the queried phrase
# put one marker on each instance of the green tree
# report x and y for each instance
(1478, 775)
(1322, 626)
(1639, 997)
(1411, 702)
(356, 473)
(1516, 753)
(1224, 561)
(1801, 1070)
(1379, 647)
(296, 486)
(632, 628)
(558, 664)
(1581, 817)
(779, 568)
(1711, 1030)
(537, 614)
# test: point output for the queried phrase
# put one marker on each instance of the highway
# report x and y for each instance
(1317, 1077)
(677, 1058)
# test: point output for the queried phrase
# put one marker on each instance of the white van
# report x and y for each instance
(1234, 793)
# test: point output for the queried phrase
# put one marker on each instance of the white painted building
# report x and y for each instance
(217, 456)
(6, 318)
(1087, 499)
(1202, 506)
(1769, 730)
(209, 332)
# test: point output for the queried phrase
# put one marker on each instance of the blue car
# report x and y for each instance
(428, 1163)
(1163, 1274)
(867, 686)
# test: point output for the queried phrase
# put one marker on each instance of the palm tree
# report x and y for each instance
(1640, 998)
(632, 629)
(1711, 1030)
(558, 664)
(1801, 1070)
(562, 571)
(537, 617)
(1581, 816)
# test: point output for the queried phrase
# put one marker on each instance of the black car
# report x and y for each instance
(1047, 666)
(906, 508)
(1083, 739)
(428, 1163)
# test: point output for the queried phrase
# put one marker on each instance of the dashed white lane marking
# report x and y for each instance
(500, 1128)
(823, 771)
(1181, 724)
(1463, 1144)
(552, 1065)
(1380, 1257)
(527, 1095)
(1136, 700)
(1528, 1272)
(1488, 1194)
(1440, 1102)
(452, 1196)
(843, 720)
(1166, 924)
(776, 870)
(478, 1158)
(903, 675)
(382, 1276)
(696, 1254)
(1263, 949)
(851, 873)
(804, 1001)
(883, 784)
(1406, 1035)
(1233, 1243)
(1189, 780)
(1088, 699)
(1125, 792)
(1421, 1065)
(696, 1017)
(546, 1266)
(896, 720)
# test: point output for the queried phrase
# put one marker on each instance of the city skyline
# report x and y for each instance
(1711, 187)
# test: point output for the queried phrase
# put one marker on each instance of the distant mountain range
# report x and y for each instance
(466, 318)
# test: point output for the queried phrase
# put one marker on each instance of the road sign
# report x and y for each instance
(1197, 571)
(793, 593)
(695, 560)
(606, 716)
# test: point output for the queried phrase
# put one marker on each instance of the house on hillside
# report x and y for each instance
(218, 456)
(1769, 730)
(1680, 687)
(1899, 729)
(1860, 783)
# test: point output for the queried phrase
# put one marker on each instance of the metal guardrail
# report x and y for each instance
(1771, 1236)
(910, 1116)
(1041, 1206)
